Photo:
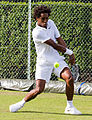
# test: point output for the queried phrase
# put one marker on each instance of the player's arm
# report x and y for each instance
(56, 46)
(61, 41)
(63, 49)
(71, 57)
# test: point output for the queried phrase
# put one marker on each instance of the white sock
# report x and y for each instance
(69, 103)
(22, 102)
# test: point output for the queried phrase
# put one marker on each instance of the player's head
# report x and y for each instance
(41, 14)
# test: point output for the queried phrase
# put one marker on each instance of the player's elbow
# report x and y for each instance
(52, 43)
(55, 46)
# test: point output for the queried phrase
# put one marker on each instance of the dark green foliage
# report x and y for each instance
(14, 32)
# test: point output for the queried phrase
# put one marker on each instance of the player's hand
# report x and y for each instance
(72, 59)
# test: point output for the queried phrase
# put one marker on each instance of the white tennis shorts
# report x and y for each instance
(44, 70)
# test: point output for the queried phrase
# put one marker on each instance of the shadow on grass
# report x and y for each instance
(51, 113)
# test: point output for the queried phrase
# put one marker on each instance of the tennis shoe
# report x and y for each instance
(15, 107)
(72, 110)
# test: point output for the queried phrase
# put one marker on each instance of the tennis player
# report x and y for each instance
(45, 35)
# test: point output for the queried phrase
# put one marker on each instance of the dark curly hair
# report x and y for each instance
(41, 9)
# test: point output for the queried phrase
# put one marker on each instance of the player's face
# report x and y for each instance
(43, 19)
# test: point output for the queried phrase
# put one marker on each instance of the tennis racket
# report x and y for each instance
(75, 72)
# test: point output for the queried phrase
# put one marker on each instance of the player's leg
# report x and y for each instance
(40, 85)
(67, 76)
(43, 74)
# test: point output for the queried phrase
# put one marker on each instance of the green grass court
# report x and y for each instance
(47, 106)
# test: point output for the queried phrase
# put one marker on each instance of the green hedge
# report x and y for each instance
(73, 21)
(14, 32)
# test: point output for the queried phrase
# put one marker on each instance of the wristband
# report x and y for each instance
(68, 52)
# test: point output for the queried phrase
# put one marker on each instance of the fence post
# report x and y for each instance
(29, 37)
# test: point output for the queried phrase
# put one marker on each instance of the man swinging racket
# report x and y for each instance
(45, 35)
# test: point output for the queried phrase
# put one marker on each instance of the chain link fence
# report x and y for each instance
(14, 22)
(74, 21)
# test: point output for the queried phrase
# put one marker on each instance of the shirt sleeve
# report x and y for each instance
(56, 32)
(40, 36)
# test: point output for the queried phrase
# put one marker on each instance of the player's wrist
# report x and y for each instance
(68, 52)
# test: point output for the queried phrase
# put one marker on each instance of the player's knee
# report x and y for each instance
(69, 80)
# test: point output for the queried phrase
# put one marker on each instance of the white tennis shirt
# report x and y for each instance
(46, 53)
